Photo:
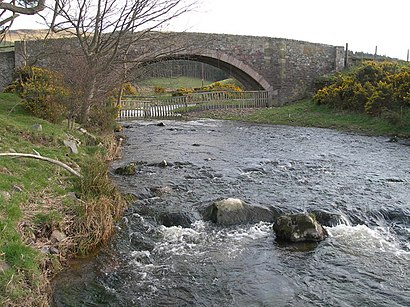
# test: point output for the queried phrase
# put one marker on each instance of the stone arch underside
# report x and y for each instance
(245, 74)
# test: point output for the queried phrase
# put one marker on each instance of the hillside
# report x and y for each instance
(29, 34)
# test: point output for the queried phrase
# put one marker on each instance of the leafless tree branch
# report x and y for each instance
(106, 30)
(10, 10)
(23, 155)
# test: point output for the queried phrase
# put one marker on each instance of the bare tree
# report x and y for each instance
(106, 31)
(11, 9)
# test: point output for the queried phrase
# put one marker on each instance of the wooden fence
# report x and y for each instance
(132, 108)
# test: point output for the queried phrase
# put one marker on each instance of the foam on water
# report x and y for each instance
(204, 236)
(361, 239)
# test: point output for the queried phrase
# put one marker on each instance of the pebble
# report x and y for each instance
(57, 236)
(5, 195)
(4, 266)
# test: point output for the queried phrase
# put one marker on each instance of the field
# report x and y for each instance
(173, 83)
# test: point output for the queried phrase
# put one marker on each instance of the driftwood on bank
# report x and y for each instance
(38, 157)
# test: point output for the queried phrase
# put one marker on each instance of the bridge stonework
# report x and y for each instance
(283, 67)
(6, 68)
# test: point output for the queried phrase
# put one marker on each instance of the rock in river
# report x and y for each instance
(126, 170)
(299, 228)
(233, 211)
(170, 219)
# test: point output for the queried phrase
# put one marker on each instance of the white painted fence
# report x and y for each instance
(132, 108)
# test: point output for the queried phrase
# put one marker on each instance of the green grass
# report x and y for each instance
(174, 83)
(23, 183)
(35, 201)
(309, 114)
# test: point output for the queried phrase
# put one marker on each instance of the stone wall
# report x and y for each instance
(6, 68)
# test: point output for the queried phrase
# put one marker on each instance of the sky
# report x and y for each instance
(363, 24)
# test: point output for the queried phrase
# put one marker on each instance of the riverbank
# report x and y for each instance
(308, 114)
(48, 214)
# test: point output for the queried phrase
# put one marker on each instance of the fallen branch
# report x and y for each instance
(38, 157)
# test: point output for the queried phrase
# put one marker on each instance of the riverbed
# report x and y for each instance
(182, 167)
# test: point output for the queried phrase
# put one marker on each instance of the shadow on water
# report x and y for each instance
(359, 185)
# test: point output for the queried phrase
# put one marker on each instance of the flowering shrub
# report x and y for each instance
(159, 90)
(214, 87)
(373, 88)
(218, 86)
(42, 92)
(401, 81)
(182, 91)
(129, 89)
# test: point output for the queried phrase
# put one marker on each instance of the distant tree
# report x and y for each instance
(11, 9)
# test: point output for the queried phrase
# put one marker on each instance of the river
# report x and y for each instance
(365, 261)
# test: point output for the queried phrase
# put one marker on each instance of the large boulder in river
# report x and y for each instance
(233, 211)
(299, 228)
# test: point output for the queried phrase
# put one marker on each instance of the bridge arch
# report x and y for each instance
(245, 74)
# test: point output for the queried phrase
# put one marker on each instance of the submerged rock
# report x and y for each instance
(299, 228)
(233, 211)
(393, 139)
(140, 242)
(170, 219)
(126, 170)
(163, 163)
(329, 219)
(159, 191)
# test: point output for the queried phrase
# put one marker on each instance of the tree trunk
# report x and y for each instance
(86, 105)
(119, 97)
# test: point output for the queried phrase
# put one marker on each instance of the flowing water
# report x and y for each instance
(364, 262)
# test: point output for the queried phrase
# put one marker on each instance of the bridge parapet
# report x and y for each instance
(285, 68)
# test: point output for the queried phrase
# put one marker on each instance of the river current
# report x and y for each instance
(365, 261)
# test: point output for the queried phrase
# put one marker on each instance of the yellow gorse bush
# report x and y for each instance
(373, 87)
(42, 91)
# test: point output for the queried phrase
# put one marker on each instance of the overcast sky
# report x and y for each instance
(364, 24)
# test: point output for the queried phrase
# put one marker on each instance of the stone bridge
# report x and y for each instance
(283, 67)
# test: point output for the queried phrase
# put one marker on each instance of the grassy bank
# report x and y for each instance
(309, 114)
(47, 214)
